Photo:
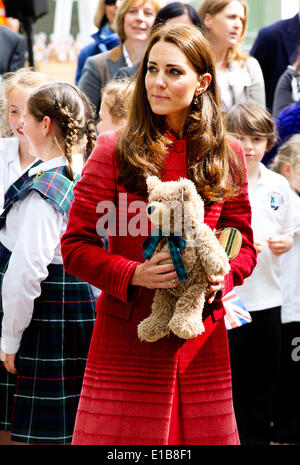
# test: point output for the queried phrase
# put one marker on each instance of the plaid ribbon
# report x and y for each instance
(176, 244)
(54, 185)
(18, 184)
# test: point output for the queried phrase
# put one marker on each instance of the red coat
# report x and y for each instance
(169, 391)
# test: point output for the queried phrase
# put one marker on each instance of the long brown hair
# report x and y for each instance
(70, 109)
(143, 144)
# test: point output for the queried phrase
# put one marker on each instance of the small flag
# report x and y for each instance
(236, 312)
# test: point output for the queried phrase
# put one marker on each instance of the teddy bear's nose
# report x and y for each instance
(150, 209)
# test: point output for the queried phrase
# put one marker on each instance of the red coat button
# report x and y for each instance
(179, 146)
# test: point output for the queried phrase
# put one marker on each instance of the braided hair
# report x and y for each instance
(68, 107)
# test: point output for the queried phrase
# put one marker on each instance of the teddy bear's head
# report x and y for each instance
(174, 206)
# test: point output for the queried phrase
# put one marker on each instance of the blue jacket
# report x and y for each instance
(104, 40)
(287, 124)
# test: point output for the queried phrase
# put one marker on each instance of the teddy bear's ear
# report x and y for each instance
(152, 182)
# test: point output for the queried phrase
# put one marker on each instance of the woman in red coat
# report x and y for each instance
(171, 391)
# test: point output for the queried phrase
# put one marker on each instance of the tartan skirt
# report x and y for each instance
(39, 404)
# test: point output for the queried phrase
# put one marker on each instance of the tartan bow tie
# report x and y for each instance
(176, 243)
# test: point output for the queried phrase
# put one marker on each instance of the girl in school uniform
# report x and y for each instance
(47, 314)
(15, 156)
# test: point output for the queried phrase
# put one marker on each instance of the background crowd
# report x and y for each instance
(258, 96)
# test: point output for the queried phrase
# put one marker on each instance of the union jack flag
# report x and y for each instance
(236, 312)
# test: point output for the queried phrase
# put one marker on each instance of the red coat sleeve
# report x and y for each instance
(236, 213)
(82, 248)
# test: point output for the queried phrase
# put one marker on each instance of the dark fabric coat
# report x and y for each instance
(97, 71)
(276, 47)
(12, 50)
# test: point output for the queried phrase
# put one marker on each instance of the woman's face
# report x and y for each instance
(225, 28)
(138, 20)
(110, 11)
(171, 83)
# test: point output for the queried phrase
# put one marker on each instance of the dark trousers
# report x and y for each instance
(255, 354)
(286, 408)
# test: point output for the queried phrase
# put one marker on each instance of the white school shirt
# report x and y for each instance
(290, 261)
(272, 213)
(32, 233)
(10, 167)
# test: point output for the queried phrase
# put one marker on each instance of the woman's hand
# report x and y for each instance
(216, 284)
(9, 362)
(280, 244)
(152, 275)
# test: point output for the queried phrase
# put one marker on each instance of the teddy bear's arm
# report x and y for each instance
(212, 254)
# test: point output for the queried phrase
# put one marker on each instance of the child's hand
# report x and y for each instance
(9, 362)
(258, 246)
(280, 244)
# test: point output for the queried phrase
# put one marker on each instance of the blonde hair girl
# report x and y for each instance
(15, 156)
(287, 162)
(116, 96)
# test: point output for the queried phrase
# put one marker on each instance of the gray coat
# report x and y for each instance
(97, 71)
(247, 82)
(287, 91)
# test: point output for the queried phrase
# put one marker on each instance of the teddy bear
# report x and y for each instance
(177, 211)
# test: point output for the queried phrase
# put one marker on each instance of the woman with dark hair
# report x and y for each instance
(181, 12)
(172, 391)
(104, 39)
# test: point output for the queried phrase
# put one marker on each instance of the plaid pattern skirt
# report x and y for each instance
(39, 404)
